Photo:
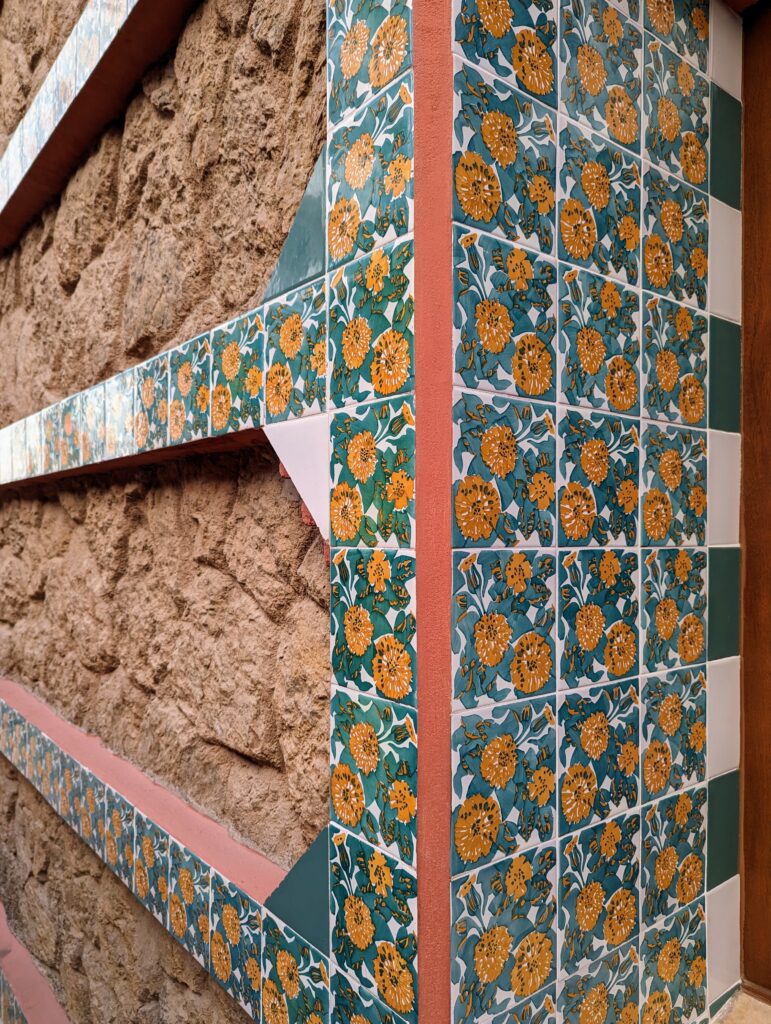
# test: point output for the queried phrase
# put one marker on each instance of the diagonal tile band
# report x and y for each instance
(25, 994)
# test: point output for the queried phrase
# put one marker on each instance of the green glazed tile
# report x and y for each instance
(723, 829)
(724, 602)
(301, 900)
(718, 1004)
(189, 390)
(725, 373)
(302, 256)
(726, 157)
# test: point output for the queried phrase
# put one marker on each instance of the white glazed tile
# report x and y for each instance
(725, 32)
(723, 487)
(723, 716)
(723, 943)
(302, 445)
(725, 261)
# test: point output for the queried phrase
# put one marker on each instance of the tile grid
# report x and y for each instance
(499, 322)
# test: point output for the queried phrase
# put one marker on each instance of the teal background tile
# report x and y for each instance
(302, 256)
(119, 415)
(611, 982)
(189, 390)
(718, 1004)
(296, 353)
(302, 900)
(673, 850)
(235, 953)
(93, 434)
(189, 891)
(674, 486)
(723, 829)
(351, 1004)
(726, 156)
(295, 978)
(674, 362)
(119, 836)
(673, 973)
(675, 251)
(674, 732)
(237, 374)
(724, 602)
(725, 375)
(674, 607)
(90, 803)
(683, 25)
(151, 404)
(151, 867)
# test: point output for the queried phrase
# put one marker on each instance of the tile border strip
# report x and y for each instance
(24, 990)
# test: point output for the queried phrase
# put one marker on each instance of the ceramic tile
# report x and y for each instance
(93, 434)
(504, 160)
(18, 449)
(674, 486)
(599, 758)
(373, 623)
(676, 245)
(235, 956)
(374, 772)
(505, 317)
(374, 913)
(295, 985)
(677, 115)
(503, 765)
(151, 867)
(609, 990)
(370, 180)
(302, 257)
(296, 353)
(114, 14)
(119, 416)
(683, 25)
(189, 891)
(151, 403)
(725, 385)
(723, 716)
(34, 445)
(674, 363)
(598, 608)
(350, 1004)
(371, 326)
(599, 466)
(119, 836)
(601, 70)
(725, 294)
(368, 45)
(723, 836)
(45, 769)
(503, 614)
(504, 941)
(723, 938)
(189, 390)
(88, 34)
(726, 155)
(69, 783)
(504, 454)
(724, 490)
(6, 467)
(69, 429)
(724, 602)
(726, 49)
(599, 208)
(513, 39)
(89, 805)
(237, 374)
(599, 869)
(674, 842)
(674, 732)
(599, 342)
(373, 475)
(674, 967)
(674, 608)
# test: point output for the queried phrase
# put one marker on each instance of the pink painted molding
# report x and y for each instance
(29, 986)
(247, 868)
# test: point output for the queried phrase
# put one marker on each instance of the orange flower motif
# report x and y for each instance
(541, 490)
(518, 874)
(629, 232)
(390, 362)
(667, 369)
(693, 159)
(290, 336)
(477, 188)
(400, 489)
(690, 640)
(492, 635)
(577, 229)
(343, 228)
(672, 219)
(698, 260)
(668, 118)
(346, 512)
(364, 747)
(610, 300)
(499, 449)
(533, 958)
(500, 137)
(499, 761)
(579, 788)
(657, 1008)
(378, 571)
(666, 617)
(491, 953)
(354, 49)
(532, 663)
(666, 865)
(357, 335)
(668, 961)
(590, 625)
(611, 26)
(494, 325)
(595, 460)
(591, 349)
(389, 48)
(657, 514)
(692, 404)
(531, 365)
(518, 572)
(620, 917)
(690, 879)
(393, 978)
(657, 763)
(589, 904)
(532, 63)
(391, 668)
(402, 800)
(670, 714)
(658, 261)
(519, 268)
(595, 733)
(358, 922)
(496, 16)
(476, 827)
(541, 786)
(347, 795)
(359, 161)
(361, 455)
(541, 193)
(378, 270)
(577, 511)
(477, 507)
(398, 176)
(591, 69)
(595, 183)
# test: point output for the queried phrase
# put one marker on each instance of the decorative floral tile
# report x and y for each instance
(599, 466)
(609, 990)
(350, 1004)
(50, 420)
(18, 449)
(513, 39)
(6, 469)
(70, 427)
(599, 343)
(119, 415)
(374, 781)
(370, 181)
(87, 33)
(119, 836)
(683, 25)
(189, 891)
(373, 623)
(151, 867)
(505, 317)
(504, 764)
(374, 922)
(69, 790)
(237, 378)
(676, 115)
(674, 732)
(599, 210)
(504, 160)
(674, 363)
(89, 805)
(92, 438)
(295, 985)
(599, 870)
(504, 940)
(599, 758)
(504, 455)
(34, 444)
(296, 353)
(368, 45)
(151, 404)
(674, 477)
(674, 611)
(673, 843)
(675, 250)
(503, 626)
(600, 70)
(45, 767)
(674, 967)
(189, 390)
(235, 959)
(373, 475)
(371, 326)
